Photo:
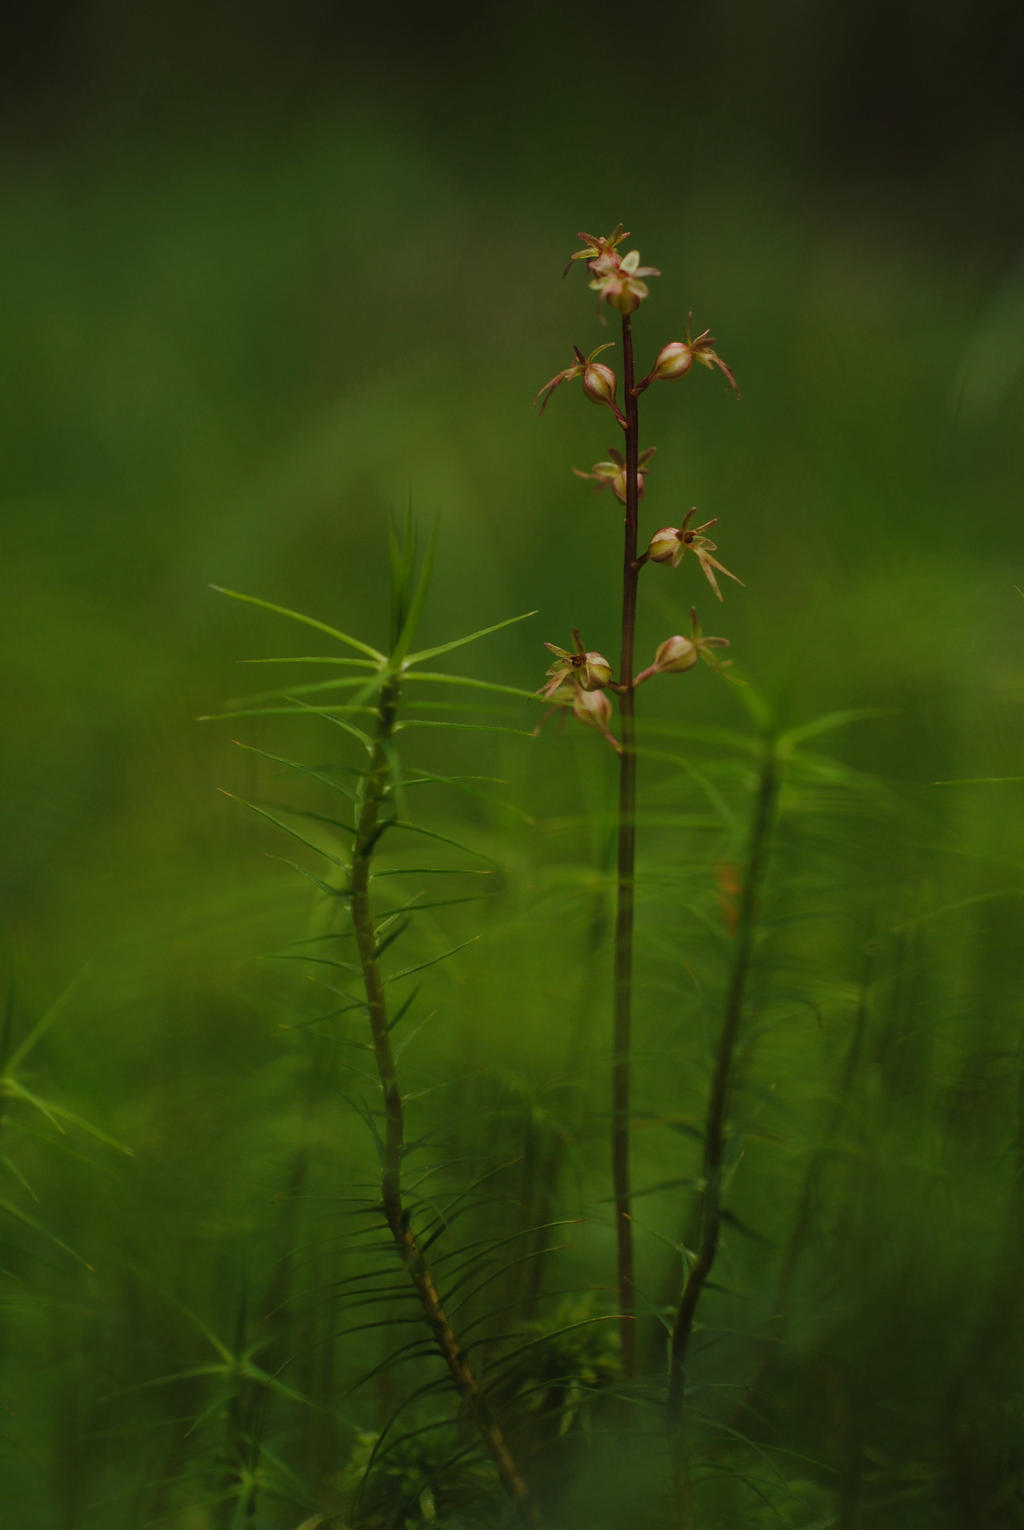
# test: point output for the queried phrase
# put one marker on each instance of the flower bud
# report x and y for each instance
(575, 668)
(614, 472)
(673, 360)
(599, 383)
(593, 708)
(595, 672)
(676, 654)
(664, 546)
(618, 280)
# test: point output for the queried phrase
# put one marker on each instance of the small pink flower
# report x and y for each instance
(619, 282)
(582, 668)
(614, 473)
(599, 246)
(599, 381)
(678, 654)
(675, 359)
(594, 709)
(617, 279)
(672, 543)
(576, 684)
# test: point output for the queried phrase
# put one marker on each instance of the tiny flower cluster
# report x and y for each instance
(578, 679)
(617, 279)
(576, 682)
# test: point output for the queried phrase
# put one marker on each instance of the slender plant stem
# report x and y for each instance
(714, 1130)
(368, 829)
(625, 883)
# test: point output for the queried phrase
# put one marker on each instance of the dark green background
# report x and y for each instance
(266, 275)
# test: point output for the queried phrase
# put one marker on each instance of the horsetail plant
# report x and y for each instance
(581, 681)
(378, 806)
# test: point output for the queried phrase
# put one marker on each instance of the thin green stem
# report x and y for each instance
(714, 1130)
(622, 1024)
(368, 829)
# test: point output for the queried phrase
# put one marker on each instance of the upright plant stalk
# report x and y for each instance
(715, 1124)
(580, 679)
(376, 687)
(622, 1026)
(368, 830)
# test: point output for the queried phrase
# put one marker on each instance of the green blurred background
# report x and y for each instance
(270, 272)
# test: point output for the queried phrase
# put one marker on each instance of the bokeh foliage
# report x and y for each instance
(264, 281)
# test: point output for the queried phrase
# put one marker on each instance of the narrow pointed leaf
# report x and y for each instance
(309, 813)
(982, 781)
(316, 961)
(406, 1041)
(23, 1216)
(415, 828)
(408, 971)
(14, 1088)
(433, 653)
(390, 938)
(430, 722)
(325, 887)
(434, 871)
(87, 1126)
(479, 685)
(307, 621)
(302, 770)
(308, 688)
(330, 713)
(12, 1167)
(418, 905)
(311, 658)
(317, 849)
(403, 1008)
(415, 611)
(732, 1220)
(830, 721)
(45, 1021)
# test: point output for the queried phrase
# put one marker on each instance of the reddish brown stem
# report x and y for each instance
(622, 1025)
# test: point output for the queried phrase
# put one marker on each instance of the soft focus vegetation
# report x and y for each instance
(244, 326)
